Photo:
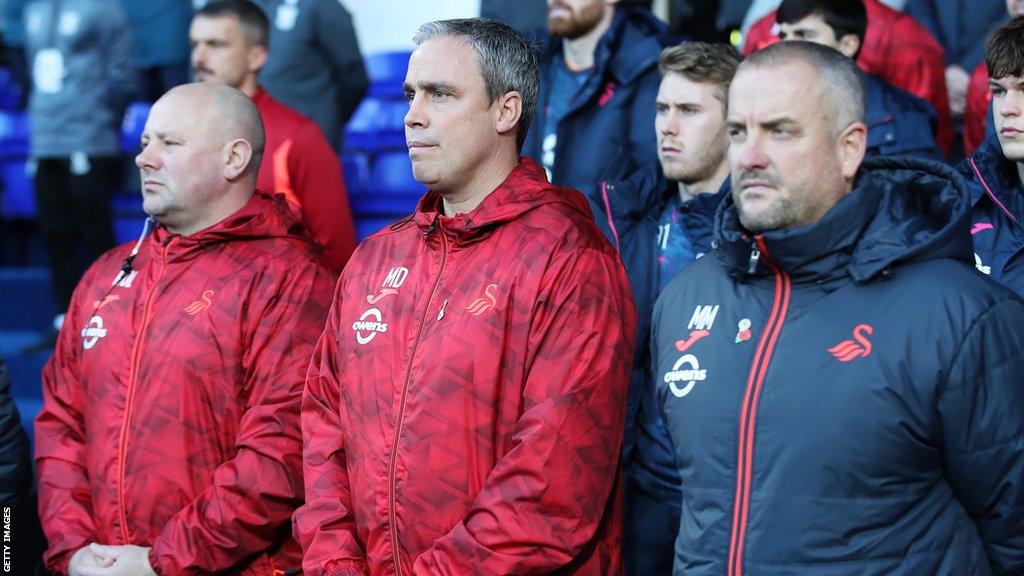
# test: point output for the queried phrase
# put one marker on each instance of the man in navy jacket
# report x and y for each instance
(660, 219)
(599, 76)
(995, 171)
(841, 386)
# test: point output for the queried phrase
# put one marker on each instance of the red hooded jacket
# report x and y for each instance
(897, 48)
(465, 406)
(976, 109)
(299, 163)
(171, 414)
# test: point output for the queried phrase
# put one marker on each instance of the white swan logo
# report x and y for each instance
(370, 323)
(686, 370)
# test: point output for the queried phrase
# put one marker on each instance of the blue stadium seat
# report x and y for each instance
(387, 72)
(14, 134)
(18, 192)
(392, 175)
(126, 210)
(355, 167)
(391, 195)
(10, 91)
(132, 125)
(378, 124)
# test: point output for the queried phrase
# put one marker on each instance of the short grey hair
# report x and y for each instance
(508, 61)
(842, 81)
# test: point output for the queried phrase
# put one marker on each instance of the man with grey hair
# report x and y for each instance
(169, 437)
(841, 387)
(464, 408)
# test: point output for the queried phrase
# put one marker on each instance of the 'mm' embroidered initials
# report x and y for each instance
(703, 318)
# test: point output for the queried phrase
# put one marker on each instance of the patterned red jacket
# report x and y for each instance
(171, 414)
(897, 48)
(465, 405)
(976, 110)
(299, 163)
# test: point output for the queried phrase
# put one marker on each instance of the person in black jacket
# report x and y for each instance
(996, 170)
(842, 388)
(17, 499)
(599, 76)
(660, 220)
(15, 466)
(898, 122)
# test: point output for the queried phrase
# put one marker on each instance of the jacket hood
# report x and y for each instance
(900, 210)
(526, 188)
(263, 216)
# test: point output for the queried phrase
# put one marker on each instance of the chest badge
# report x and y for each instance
(743, 332)
(857, 347)
(484, 303)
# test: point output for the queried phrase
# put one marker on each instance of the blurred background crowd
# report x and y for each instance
(78, 77)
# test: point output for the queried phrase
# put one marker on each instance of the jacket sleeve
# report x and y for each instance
(324, 525)
(924, 11)
(15, 467)
(337, 35)
(65, 495)
(545, 500)
(321, 189)
(254, 493)
(982, 418)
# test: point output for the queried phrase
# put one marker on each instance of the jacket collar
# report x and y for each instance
(526, 188)
(263, 216)
(996, 174)
(900, 210)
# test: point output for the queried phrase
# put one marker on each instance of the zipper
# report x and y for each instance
(984, 184)
(133, 373)
(748, 413)
(392, 517)
(605, 188)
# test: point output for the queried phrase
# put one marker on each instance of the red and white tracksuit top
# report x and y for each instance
(464, 409)
(171, 415)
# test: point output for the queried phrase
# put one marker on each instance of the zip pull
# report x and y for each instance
(433, 226)
(440, 313)
(755, 255)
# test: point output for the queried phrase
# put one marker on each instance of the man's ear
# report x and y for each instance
(849, 45)
(238, 154)
(852, 145)
(508, 111)
(257, 58)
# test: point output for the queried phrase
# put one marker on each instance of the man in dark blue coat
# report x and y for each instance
(996, 169)
(842, 388)
(898, 122)
(660, 219)
(599, 76)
